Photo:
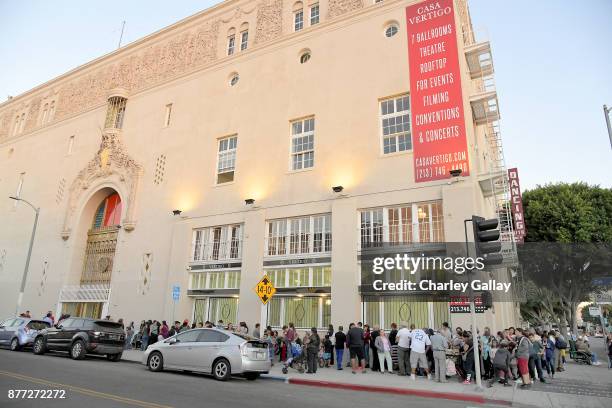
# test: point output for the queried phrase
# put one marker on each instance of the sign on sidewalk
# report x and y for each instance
(265, 290)
(594, 311)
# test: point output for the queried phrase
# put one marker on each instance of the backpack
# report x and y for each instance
(560, 344)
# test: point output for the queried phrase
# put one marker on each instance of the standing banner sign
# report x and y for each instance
(437, 114)
(516, 204)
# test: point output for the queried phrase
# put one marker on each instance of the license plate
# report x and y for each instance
(113, 337)
(260, 356)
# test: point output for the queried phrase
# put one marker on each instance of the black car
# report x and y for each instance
(80, 336)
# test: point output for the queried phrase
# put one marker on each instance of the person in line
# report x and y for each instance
(129, 333)
(403, 349)
(256, 331)
(144, 338)
(609, 346)
(312, 350)
(393, 334)
(468, 357)
(522, 356)
(340, 345)
(164, 330)
(330, 333)
(49, 318)
(328, 351)
(383, 348)
(439, 344)
(367, 338)
(535, 356)
(501, 364)
(582, 345)
(560, 346)
(376, 364)
(446, 332)
(419, 340)
(355, 345)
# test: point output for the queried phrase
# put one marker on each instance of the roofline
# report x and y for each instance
(125, 49)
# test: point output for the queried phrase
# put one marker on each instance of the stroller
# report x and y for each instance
(295, 358)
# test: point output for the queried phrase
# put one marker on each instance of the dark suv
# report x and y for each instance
(80, 336)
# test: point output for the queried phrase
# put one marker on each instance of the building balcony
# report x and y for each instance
(479, 59)
(85, 293)
(484, 106)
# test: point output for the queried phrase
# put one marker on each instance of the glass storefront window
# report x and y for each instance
(303, 312)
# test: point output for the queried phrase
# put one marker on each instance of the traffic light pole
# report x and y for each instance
(475, 341)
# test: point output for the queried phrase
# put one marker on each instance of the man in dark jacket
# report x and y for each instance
(312, 350)
(340, 345)
(373, 350)
(354, 339)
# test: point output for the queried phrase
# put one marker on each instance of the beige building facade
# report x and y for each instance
(242, 118)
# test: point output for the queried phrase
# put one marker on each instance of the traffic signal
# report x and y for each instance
(486, 240)
(487, 299)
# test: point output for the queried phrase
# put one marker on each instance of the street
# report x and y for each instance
(95, 382)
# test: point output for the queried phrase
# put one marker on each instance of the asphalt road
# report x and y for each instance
(93, 383)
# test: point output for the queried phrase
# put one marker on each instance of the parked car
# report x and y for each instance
(20, 332)
(81, 336)
(212, 351)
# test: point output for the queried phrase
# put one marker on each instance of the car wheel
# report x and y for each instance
(156, 361)
(77, 351)
(15, 346)
(39, 346)
(251, 376)
(221, 370)
(114, 357)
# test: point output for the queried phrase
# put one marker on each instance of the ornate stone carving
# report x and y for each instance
(237, 14)
(111, 162)
(269, 20)
(33, 114)
(338, 7)
(183, 52)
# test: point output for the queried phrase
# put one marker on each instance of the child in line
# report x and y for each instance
(328, 349)
(501, 364)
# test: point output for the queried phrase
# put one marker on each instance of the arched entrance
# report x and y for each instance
(103, 228)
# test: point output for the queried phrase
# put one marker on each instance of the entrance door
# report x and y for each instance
(83, 309)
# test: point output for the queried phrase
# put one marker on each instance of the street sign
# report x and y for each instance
(594, 311)
(176, 292)
(602, 298)
(265, 290)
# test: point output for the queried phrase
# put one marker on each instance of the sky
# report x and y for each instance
(553, 65)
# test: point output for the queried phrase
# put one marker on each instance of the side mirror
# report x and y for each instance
(58, 326)
(172, 340)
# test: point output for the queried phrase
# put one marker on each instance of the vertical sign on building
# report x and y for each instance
(437, 114)
(516, 205)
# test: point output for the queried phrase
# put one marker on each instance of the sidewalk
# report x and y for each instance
(453, 390)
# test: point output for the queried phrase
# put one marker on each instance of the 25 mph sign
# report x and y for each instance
(438, 122)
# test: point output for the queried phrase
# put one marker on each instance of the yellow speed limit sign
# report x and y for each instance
(265, 290)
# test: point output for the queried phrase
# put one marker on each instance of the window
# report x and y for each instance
(391, 30)
(115, 112)
(231, 44)
(395, 117)
(234, 78)
(70, 145)
(304, 312)
(212, 336)
(298, 20)
(302, 144)
(226, 159)
(168, 115)
(215, 280)
(305, 57)
(402, 225)
(304, 235)
(244, 40)
(217, 243)
(314, 14)
(190, 336)
(51, 111)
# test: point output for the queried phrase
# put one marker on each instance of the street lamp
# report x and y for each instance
(27, 265)
(607, 115)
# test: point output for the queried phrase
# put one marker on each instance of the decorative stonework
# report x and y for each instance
(269, 20)
(183, 52)
(338, 7)
(110, 162)
(237, 14)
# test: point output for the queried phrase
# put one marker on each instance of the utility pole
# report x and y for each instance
(607, 115)
(27, 265)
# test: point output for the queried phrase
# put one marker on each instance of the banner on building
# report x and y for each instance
(437, 114)
(516, 205)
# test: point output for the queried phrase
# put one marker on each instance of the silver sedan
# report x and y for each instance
(212, 351)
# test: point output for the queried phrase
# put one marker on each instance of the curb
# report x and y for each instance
(395, 390)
